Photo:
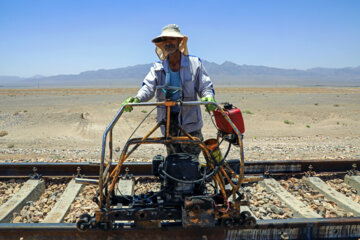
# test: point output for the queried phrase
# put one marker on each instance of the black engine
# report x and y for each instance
(180, 175)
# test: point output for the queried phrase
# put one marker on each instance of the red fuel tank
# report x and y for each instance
(235, 116)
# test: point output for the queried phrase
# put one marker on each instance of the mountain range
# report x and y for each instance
(225, 74)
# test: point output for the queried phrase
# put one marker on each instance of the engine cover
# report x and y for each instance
(183, 166)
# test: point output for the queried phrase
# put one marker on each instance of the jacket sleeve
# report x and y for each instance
(206, 88)
(147, 91)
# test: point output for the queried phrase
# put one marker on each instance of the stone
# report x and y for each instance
(8, 192)
(46, 210)
(17, 219)
(35, 219)
(38, 214)
(23, 212)
(262, 210)
(279, 211)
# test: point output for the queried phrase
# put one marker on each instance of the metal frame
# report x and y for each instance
(220, 170)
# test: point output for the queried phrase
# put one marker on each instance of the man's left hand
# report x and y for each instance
(209, 107)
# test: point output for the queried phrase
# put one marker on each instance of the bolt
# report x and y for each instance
(284, 236)
(310, 173)
(126, 173)
(354, 166)
(311, 167)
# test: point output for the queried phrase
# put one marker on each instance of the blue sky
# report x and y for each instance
(65, 37)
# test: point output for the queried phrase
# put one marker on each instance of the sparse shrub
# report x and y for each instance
(247, 112)
(316, 104)
(56, 157)
(143, 111)
(336, 105)
(25, 111)
(10, 145)
(3, 133)
(84, 115)
(288, 122)
(308, 126)
(16, 113)
(337, 123)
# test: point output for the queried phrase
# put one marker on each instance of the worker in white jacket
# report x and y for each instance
(177, 69)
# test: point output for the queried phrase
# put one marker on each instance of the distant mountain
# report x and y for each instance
(227, 73)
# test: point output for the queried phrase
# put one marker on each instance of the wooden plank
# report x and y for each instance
(340, 199)
(30, 191)
(61, 208)
(299, 209)
(353, 181)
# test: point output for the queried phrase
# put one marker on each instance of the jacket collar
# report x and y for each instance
(165, 64)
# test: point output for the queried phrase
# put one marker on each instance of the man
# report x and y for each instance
(177, 69)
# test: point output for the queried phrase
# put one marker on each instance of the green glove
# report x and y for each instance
(209, 107)
(129, 100)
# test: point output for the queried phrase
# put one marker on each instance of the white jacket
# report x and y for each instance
(194, 82)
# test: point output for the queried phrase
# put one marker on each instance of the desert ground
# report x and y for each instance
(281, 123)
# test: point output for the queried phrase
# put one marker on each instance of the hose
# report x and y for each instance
(192, 181)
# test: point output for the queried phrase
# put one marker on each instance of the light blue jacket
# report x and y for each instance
(194, 82)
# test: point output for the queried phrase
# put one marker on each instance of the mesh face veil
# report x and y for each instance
(171, 30)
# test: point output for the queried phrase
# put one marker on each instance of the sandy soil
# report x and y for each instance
(281, 123)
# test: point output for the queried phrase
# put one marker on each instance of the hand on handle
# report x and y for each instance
(130, 100)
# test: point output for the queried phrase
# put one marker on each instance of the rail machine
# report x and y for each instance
(192, 193)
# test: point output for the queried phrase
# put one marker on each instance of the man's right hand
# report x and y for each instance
(129, 100)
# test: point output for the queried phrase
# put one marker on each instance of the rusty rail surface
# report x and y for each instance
(334, 228)
(275, 167)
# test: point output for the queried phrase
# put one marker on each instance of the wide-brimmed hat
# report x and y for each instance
(171, 30)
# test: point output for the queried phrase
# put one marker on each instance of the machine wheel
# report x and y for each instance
(245, 214)
(227, 222)
(248, 220)
(84, 222)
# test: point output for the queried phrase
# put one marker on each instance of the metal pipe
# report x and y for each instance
(167, 121)
(111, 145)
(86, 181)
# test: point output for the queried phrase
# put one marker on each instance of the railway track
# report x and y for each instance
(286, 204)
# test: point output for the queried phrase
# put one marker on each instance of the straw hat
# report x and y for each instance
(171, 30)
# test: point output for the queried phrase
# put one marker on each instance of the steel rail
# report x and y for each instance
(91, 169)
(313, 228)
